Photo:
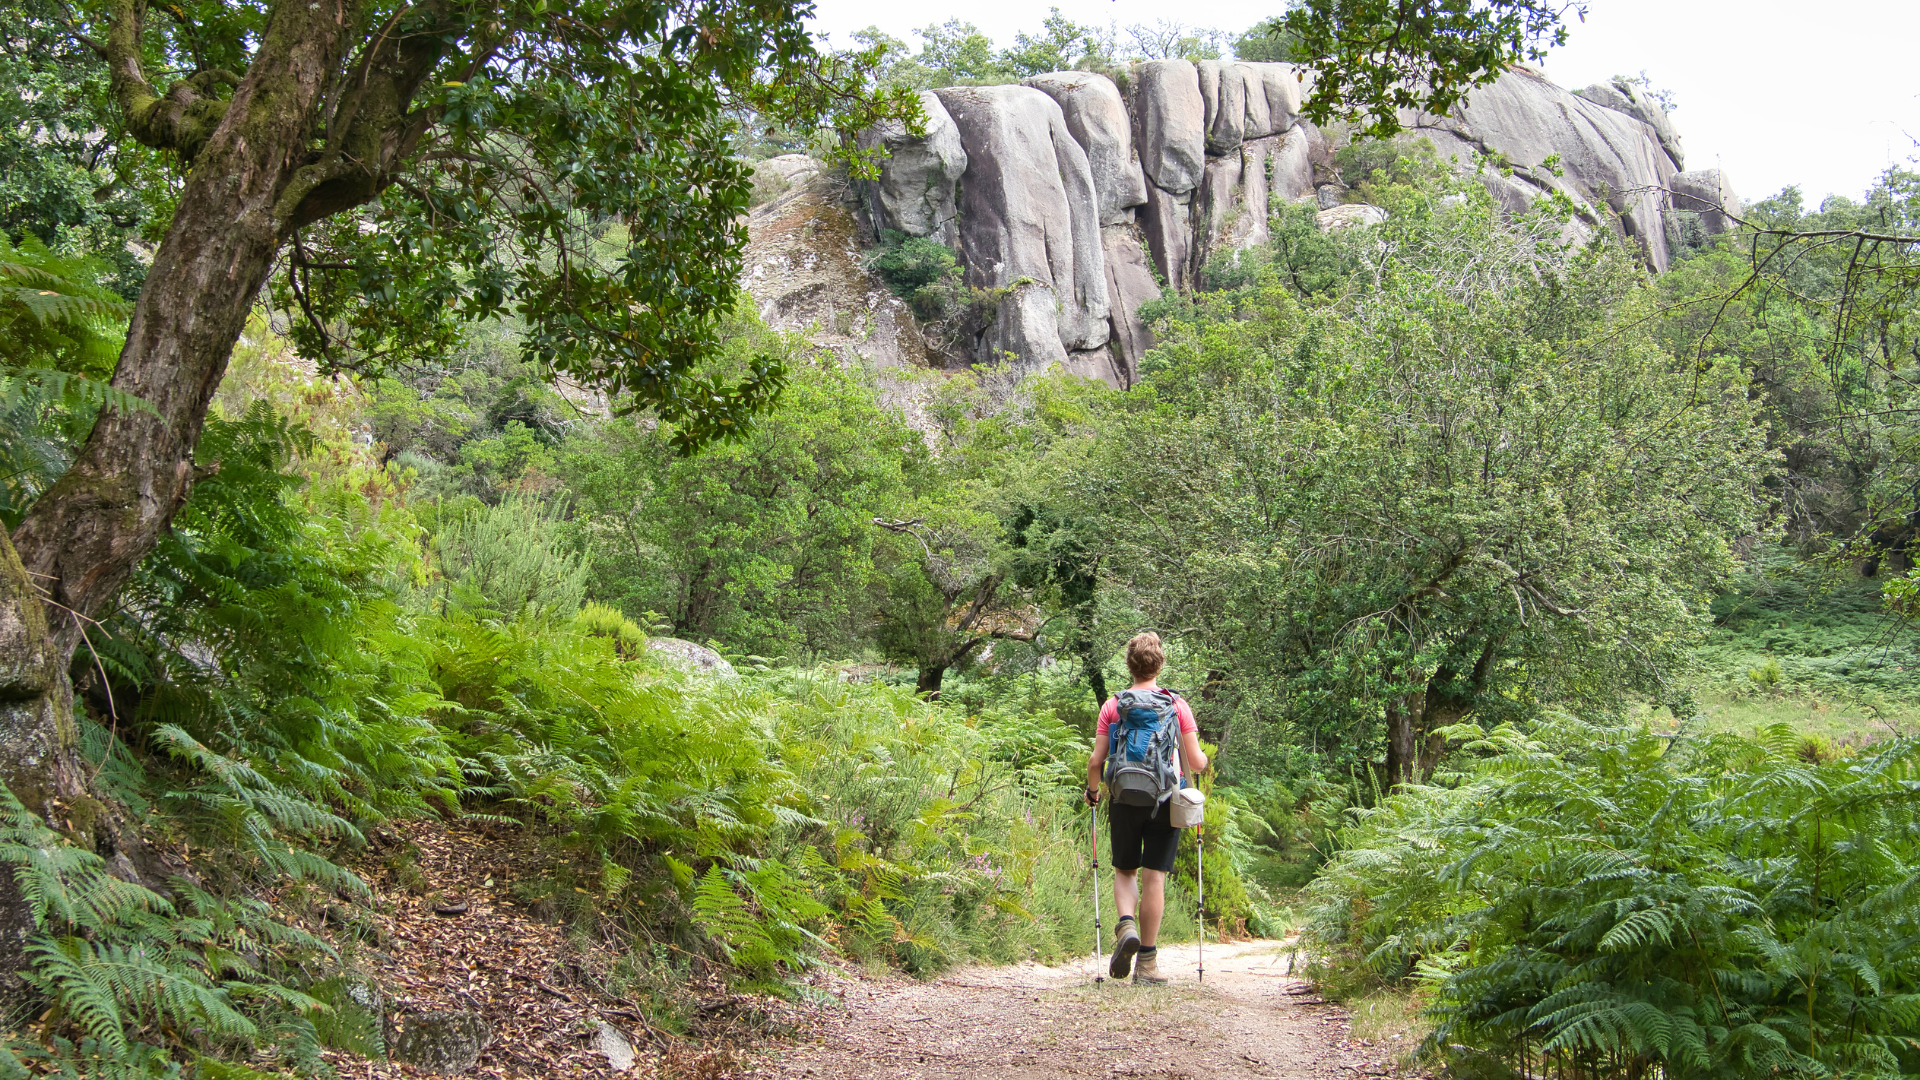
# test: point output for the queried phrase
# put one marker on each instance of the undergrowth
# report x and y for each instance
(1607, 902)
(292, 670)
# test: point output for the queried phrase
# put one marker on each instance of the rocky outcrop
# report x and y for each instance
(1030, 223)
(1626, 97)
(1170, 118)
(1098, 121)
(1130, 283)
(1527, 137)
(806, 273)
(916, 193)
(1073, 204)
(1707, 193)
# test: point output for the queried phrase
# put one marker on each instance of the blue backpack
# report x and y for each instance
(1142, 743)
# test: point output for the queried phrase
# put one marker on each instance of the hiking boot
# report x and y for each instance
(1147, 971)
(1124, 949)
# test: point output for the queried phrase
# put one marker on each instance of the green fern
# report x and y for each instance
(120, 963)
(1612, 906)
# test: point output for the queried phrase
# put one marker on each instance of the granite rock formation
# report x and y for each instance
(1072, 203)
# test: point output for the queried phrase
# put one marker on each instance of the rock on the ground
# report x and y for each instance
(446, 1042)
(614, 1044)
(1098, 120)
(1029, 216)
(1348, 215)
(917, 189)
(692, 657)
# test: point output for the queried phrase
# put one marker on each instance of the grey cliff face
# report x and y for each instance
(1079, 203)
(1170, 117)
(1707, 193)
(1623, 96)
(1030, 222)
(1606, 158)
(916, 191)
(1098, 121)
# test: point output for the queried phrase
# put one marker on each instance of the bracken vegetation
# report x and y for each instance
(1551, 624)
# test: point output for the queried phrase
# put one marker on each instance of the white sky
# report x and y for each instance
(1824, 96)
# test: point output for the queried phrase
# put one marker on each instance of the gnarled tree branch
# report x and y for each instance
(183, 118)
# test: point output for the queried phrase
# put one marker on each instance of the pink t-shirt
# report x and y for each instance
(1111, 712)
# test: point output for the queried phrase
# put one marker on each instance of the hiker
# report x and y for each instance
(1144, 839)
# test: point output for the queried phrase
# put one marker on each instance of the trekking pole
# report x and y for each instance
(1200, 840)
(1093, 834)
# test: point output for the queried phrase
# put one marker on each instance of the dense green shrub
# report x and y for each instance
(920, 270)
(1606, 902)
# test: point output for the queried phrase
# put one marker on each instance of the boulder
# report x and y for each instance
(1170, 119)
(1130, 283)
(1273, 98)
(1166, 220)
(1098, 119)
(1708, 193)
(447, 1042)
(1223, 94)
(1347, 216)
(691, 657)
(1029, 213)
(916, 190)
(1623, 96)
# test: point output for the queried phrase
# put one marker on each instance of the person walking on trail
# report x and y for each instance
(1137, 732)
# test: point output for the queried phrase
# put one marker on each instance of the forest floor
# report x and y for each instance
(445, 936)
(1250, 1018)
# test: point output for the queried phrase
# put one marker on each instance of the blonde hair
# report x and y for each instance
(1145, 657)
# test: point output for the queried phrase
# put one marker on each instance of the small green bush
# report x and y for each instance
(919, 270)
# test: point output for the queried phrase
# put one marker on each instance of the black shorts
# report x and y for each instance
(1143, 836)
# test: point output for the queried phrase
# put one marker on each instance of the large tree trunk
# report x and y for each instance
(86, 534)
(929, 680)
(1404, 735)
(37, 759)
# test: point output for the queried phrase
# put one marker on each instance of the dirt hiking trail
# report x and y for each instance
(1251, 1018)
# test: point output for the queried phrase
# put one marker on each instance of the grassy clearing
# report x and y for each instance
(1810, 649)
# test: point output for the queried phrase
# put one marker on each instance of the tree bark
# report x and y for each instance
(929, 680)
(85, 535)
(1404, 714)
(37, 758)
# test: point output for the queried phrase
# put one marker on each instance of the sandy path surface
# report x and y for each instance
(1250, 1018)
